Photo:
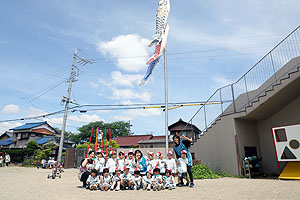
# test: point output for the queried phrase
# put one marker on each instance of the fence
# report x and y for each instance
(239, 95)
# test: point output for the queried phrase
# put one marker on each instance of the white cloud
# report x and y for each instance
(144, 113)
(128, 80)
(5, 126)
(85, 118)
(122, 118)
(221, 81)
(11, 109)
(129, 51)
(128, 94)
(32, 112)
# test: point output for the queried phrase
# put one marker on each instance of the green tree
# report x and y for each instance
(32, 145)
(45, 151)
(119, 128)
(86, 144)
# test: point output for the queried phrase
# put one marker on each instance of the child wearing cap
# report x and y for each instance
(161, 163)
(100, 162)
(111, 163)
(151, 162)
(121, 160)
(93, 181)
(157, 180)
(105, 180)
(182, 168)
(147, 180)
(171, 163)
(137, 180)
(168, 180)
(130, 162)
(116, 180)
(126, 179)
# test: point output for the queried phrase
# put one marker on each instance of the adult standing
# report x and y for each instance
(140, 162)
(7, 159)
(179, 145)
(87, 165)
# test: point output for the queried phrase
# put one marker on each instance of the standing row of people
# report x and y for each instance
(136, 171)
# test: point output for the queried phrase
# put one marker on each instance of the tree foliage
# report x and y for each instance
(118, 128)
(86, 144)
(32, 145)
(45, 151)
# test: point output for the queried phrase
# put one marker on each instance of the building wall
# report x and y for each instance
(289, 115)
(247, 133)
(217, 149)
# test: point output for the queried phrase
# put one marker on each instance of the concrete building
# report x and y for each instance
(248, 132)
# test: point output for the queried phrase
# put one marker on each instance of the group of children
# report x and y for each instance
(125, 173)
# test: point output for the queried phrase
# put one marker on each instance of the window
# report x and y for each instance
(24, 135)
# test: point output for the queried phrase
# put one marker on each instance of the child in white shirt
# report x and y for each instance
(168, 180)
(147, 180)
(171, 163)
(111, 163)
(182, 168)
(151, 162)
(116, 180)
(126, 179)
(121, 162)
(105, 180)
(157, 180)
(100, 162)
(130, 162)
(93, 181)
(161, 163)
(137, 179)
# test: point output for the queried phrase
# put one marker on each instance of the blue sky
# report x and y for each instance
(211, 44)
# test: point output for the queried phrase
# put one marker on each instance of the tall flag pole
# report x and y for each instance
(160, 39)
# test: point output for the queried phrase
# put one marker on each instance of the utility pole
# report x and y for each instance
(166, 101)
(61, 143)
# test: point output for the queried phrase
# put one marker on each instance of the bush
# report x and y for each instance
(18, 155)
(203, 172)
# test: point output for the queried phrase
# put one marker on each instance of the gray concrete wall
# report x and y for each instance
(247, 136)
(288, 115)
(217, 149)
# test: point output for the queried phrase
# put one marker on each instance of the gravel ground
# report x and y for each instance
(31, 183)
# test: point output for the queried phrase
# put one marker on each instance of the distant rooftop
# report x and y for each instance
(29, 126)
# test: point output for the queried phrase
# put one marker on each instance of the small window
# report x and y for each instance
(24, 136)
(280, 135)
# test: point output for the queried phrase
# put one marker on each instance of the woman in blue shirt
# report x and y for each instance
(180, 145)
(140, 161)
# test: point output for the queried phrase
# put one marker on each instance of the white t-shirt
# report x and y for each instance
(151, 164)
(131, 165)
(121, 163)
(161, 165)
(171, 164)
(111, 165)
(157, 178)
(106, 180)
(147, 180)
(126, 176)
(100, 163)
(182, 167)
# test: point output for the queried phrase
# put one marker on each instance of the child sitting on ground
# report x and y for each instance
(147, 180)
(157, 180)
(93, 181)
(105, 180)
(182, 168)
(168, 180)
(137, 180)
(116, 180)
(111, 163)
(126, 179)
